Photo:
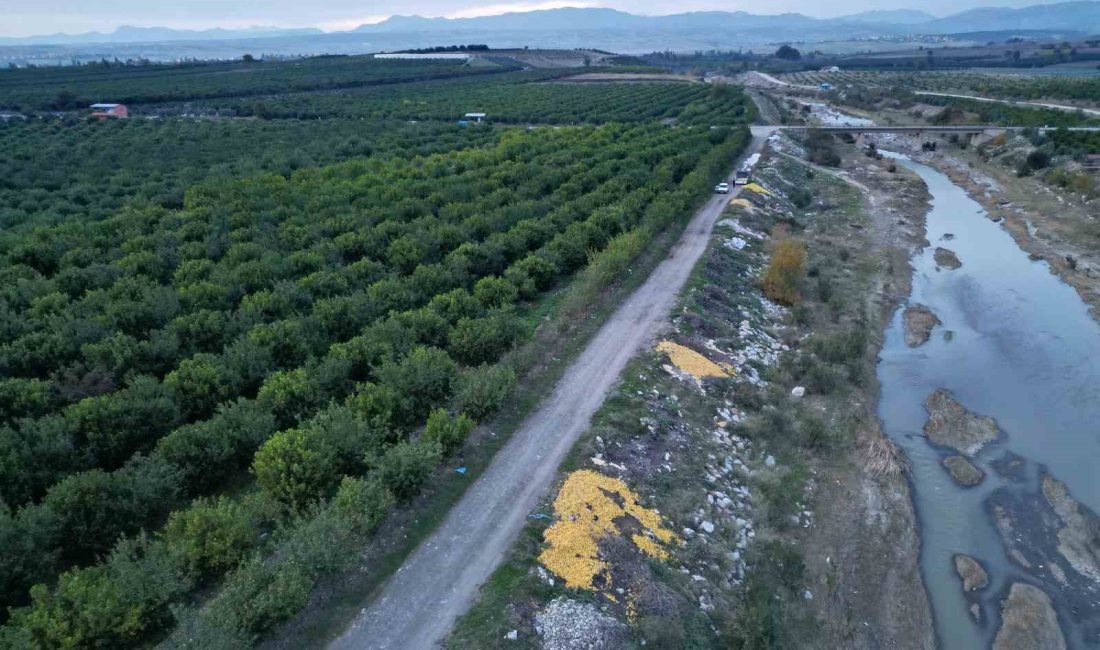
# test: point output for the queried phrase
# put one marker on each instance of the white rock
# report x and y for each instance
(808, 595)
(707, 527)
(798, 391)
(770, 461)
(512, 636)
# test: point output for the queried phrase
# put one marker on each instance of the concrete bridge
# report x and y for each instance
(976, 133)
(912, 129)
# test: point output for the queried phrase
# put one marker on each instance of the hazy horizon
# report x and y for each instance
(68, 16)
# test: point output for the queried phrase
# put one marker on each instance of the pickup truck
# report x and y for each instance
(722, 188)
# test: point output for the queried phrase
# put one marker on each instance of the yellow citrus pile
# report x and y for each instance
(587, 508)
(741, 203)
(692, 362)
(757, 188)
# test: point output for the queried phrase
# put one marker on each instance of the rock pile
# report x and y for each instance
(566, 624)
(951, 425)
(919, 322)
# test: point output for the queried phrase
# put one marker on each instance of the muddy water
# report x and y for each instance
(1022, 350)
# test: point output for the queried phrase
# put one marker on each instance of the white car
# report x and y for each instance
(722, 188)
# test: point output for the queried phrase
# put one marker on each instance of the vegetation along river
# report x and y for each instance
(1017, 345)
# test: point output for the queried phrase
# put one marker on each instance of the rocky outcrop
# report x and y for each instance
(1028, 621)
(919, 321)
(963, 471)
(971, 573)
(946, 258)
(1079, 537)
(951, 425)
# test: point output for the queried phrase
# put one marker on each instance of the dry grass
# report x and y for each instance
(882, 458)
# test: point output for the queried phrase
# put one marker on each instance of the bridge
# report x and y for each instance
(976, 133)
(911, 129)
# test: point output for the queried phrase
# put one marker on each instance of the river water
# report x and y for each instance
(1023, 350)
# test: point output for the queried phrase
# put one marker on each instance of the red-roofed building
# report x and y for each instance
(109, 111)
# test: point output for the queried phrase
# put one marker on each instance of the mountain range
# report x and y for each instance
(1076, 16)
(595, 27)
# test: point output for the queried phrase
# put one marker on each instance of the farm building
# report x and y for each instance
(473, 117)
(109, 111)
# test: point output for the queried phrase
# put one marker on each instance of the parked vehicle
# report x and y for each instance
(722, 188)
(744, 172)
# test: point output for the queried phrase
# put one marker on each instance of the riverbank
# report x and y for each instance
(752, 433)
(1005, 391)
(1057, 227)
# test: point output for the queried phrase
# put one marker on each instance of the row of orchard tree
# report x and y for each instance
(308, 347)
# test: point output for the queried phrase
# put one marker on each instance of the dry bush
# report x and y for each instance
(882, 458)
(783, 277)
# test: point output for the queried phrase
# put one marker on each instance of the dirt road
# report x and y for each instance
(1012, 102)
(439, 581)
(1092, 112)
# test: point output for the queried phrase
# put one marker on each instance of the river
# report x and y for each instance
(1023, 350)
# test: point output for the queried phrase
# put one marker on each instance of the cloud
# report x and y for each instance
(351, 23)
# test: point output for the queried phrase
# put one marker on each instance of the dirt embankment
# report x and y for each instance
(866, 539)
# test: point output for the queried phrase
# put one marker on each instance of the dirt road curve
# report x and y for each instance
(439, 581)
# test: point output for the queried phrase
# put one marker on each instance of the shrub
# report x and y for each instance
(483, 340)
(820, 149)
(362, 503)
(406, 466)
(295, 467)
(420, 381)
(112, 605)
(200, 383)
(495, 292)
(209, 537)
(376, 405)
(483, 390)
(255, 598)
(94, 508)
(783, 277)
(801, 198)
(290, 394)
(206, 453)
(450, 432)
(264, 593)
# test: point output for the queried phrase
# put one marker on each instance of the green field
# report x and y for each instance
(65, 88)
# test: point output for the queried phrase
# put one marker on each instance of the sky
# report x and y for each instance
(34, 17)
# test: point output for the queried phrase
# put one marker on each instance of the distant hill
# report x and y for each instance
(607, 29)
(1076, 16)
(1081, 16)
(892, 16)
(129, 34)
